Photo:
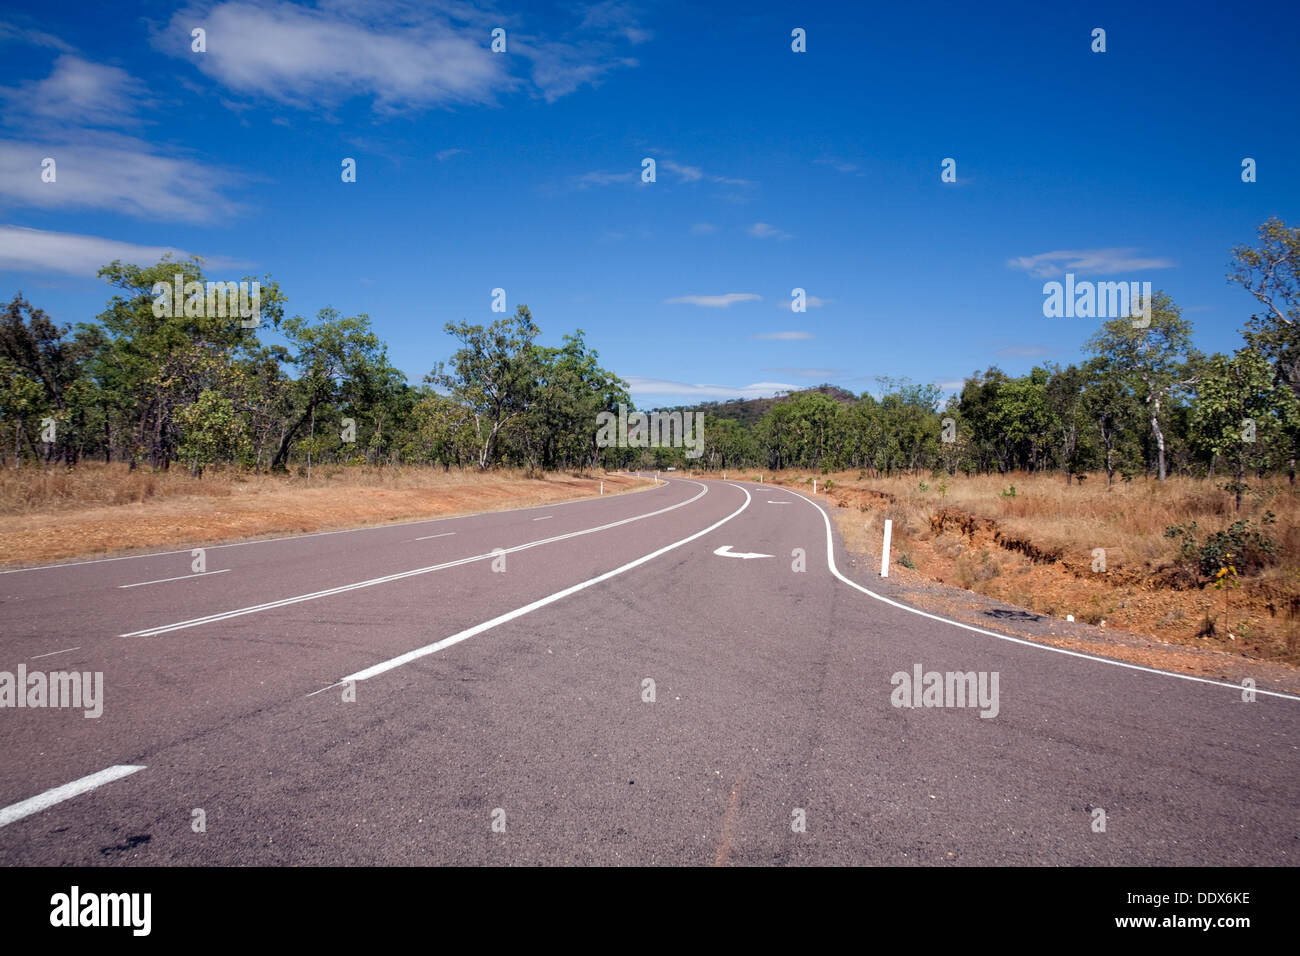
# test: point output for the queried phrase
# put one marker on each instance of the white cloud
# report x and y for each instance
(694, 174)
(446, 154)
(811, 301)
(784, 336)
(716, 301)
(11, 33)
(1047, 265)
(401, 55)
(658, 386)
(765, 230)
(600, 178)
(35, 250)
(703, 229)
(305, 56)
(78, 93)
(690, 174)
(612, 16)
(112, 173)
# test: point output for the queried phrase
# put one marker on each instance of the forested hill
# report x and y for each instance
(748, 411)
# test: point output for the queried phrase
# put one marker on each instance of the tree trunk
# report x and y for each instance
(282, 455)
(1160, 438)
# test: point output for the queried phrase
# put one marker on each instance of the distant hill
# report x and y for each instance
(748, 411)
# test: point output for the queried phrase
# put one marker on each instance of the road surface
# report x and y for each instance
(673, 676)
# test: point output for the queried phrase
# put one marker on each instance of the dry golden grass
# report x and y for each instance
(99, 509)
(1035, 549)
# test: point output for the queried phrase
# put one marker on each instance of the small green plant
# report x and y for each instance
(924, 486)
(1010, 492)
(1243, 538)
(906, 561)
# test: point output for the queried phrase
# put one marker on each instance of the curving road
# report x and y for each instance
(594, 682)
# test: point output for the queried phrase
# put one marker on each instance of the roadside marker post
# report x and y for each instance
(884, 550)
(814, 486)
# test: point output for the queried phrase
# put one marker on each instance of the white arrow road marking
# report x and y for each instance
(726, 552)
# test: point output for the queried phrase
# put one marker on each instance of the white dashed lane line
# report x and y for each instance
(49, 798)
(183, 577)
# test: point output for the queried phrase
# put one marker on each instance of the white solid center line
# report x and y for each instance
(183, 577)
(49, 798)
(428, 536)
(52, 653)
(544, 517)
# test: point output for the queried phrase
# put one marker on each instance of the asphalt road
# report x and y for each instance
(474, 690)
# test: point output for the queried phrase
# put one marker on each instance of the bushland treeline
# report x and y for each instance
(197, 390)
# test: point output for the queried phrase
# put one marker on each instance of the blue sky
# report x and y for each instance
(775, 170)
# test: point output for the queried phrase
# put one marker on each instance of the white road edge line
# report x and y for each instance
(377, 669)
(183, 577)
(49, 798)
(283, 602)
(37, 657)
(318, 534)
(830, 560)
(428, 536)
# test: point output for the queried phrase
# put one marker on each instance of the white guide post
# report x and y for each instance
(884, 550)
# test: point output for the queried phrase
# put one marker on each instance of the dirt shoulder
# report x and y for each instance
(263, 507)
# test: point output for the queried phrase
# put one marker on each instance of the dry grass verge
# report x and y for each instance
(1031, 540)
(99, 509)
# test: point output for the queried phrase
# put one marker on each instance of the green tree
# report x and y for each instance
(1271, 273)
(1240, 412)
(1152, 361)
(493, 375)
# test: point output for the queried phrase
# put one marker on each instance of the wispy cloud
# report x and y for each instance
(784, 336)
(445, 154)
(113, 173)
(1046, 265)
(658, 386)
(839, 165)
(402, 56)
(613, 16)
(78, 93)
(694, 174)
(765, 230)
(35, 250)
(811, 301)
(703, 229)
(601, 178)
(12, 33)
(716, 301)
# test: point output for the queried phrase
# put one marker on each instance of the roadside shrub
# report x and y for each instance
(1250, 547)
